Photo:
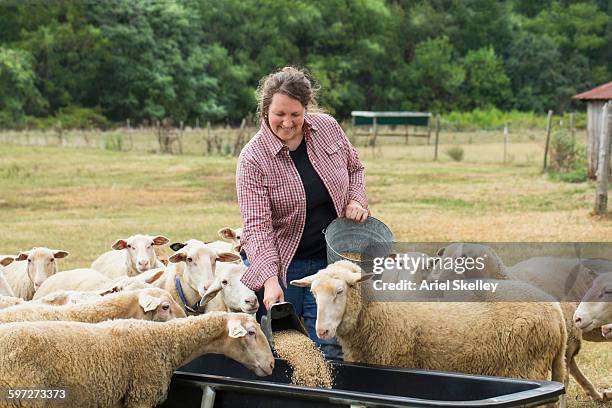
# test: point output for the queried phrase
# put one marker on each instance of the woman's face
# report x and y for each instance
(286, 118)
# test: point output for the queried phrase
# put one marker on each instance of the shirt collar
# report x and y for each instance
(273, 143)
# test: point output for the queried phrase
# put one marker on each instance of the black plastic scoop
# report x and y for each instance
(281, 316)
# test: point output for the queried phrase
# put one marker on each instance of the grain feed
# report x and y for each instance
(351, 256)
(308, 363)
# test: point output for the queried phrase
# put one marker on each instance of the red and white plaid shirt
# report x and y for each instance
(272, 198)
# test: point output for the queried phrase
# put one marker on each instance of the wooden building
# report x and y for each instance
(595, 98)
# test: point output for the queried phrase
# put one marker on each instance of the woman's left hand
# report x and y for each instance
(354, 211)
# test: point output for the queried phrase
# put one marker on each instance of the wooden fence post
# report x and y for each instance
(603, 166)
(437, 136)
(208, 138)
(239, 138)
(180, 137)
(548, 126)
(505, 142)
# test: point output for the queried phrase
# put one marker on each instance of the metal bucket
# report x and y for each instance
(370, 239)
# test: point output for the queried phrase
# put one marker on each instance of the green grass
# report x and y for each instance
(82, 200)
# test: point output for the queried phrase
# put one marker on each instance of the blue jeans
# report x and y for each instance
(304, 302)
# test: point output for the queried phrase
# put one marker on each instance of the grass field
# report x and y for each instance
(82, 200)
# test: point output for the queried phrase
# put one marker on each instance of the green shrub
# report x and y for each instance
(455, 153)
(114, 142)
(567, 159)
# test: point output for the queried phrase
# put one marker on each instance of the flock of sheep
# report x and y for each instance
(114, 333)
(525, 336)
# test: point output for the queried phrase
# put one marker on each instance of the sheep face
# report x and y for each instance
(595, 308)
(460, 250)
(156, 305)
(248, 345)
(141, 254)
(606, 331)
(200, 263)
(330, 287)
(236, 295)
(41, 263)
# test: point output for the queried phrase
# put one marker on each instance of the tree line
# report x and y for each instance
(106, 61)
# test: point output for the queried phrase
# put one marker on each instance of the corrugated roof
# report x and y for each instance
(603, 92)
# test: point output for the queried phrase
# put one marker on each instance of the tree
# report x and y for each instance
(486, 84)
(432, 79)
(18, 93)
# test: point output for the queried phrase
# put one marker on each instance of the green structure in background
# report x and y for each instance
(415, 124)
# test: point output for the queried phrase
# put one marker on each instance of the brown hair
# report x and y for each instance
(290, 81)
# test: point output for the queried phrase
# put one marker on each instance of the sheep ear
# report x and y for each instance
(227, 234)
(120, 244)
(160, 240)
(22, 256)
(178, 257)
(348, 265)
(155, 276)
(60, 254)
(148, 302)
(235, 329)
(228, 257)
(177, 246)
(441, 251)
(211, 292)
(6, 260)
(304, 282)
(360, 278)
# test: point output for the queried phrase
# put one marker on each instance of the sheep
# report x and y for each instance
(5, 288)
(126, 363)
(130, 256)
(148, 304)
(606, 331)
(525, 340)
(9, 301)
(70, 297)
(31, 269)
(595, 309)
(192, 268)
(235, 297)
(232, 236)
(87, 280)
(543, 273)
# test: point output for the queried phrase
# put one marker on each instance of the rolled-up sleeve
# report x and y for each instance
(258, 239)
(356, 171)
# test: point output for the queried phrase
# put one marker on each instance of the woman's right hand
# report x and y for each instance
(273, 293)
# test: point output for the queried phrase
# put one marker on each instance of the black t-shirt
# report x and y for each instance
(320, 211)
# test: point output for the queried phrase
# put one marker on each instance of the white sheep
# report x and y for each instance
(606, 331)
(30, 270)
(122, 363)
(525, 340)
(5, 288)
(233, 236)
(191, 270)
(561, 278)
(130, 256)
(148, 304)
(88, 280)
(70, 297)
(595, 309)
(227, 292)
(9, 301)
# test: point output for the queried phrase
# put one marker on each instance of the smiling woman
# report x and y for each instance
(293, 179)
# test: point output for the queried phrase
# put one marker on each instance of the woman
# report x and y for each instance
(296, 175)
